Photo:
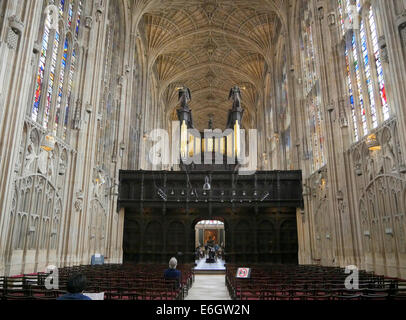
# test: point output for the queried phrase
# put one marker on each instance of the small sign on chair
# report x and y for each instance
(243, 273)
(97, 259)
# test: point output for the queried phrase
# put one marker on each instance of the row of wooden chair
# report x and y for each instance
(284, 282)
(118, 282)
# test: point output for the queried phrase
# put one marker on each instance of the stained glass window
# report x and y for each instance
(41, 70)
(286, 113)
(359, 85)
(61, 7)
(351, 93)
(55, 76)
(78, 20)
(379, 69)
(61, 83)
(367, 70)
(341, 15)
(358, 3)
(70, 13)
(51, 81)
(70, 85)
(362, 58)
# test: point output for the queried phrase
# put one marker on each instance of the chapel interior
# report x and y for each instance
(104, 102)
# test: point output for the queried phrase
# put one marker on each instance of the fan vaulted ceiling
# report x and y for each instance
(210, 46)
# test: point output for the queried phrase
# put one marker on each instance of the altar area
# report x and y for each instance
(202, 265)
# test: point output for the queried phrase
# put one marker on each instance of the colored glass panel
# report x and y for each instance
(61, 82)
(367, 70)
(41, 70)
(70, 13)
(62, 7)
(378, 62)
(351, 93)
(341, 15)
(78, 22)
(51, 80)
(359, 85)
(70, 87)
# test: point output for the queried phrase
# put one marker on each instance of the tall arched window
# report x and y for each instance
(56, 67)
(364, 73)
(378, 64)
(311, 91)
(285, 112)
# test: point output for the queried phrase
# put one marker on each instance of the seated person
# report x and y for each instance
(172, 273)
(76, 285)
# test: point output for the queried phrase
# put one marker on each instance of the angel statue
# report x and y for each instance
(235, 94)
(236, 113)
(184, 97)
(184, 113)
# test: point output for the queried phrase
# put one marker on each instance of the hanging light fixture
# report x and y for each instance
(207, 186)
(48, 143)
(266, 195)
(372, 143)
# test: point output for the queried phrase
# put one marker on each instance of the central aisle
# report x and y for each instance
(209, 287)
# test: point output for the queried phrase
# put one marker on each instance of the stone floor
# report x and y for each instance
(209, 287)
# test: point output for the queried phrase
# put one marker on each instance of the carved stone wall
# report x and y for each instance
(355, 205)
(58, 201)
(380, 194)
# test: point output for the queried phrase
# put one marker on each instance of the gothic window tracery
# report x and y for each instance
(54, 85)
(364, 71)
(285, 112)
(40, 172)
(40, 182)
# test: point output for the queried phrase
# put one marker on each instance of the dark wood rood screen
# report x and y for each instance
(162, 209)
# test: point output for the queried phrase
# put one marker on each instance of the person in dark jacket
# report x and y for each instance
(76, 285)
(172, 273)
